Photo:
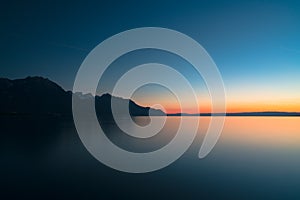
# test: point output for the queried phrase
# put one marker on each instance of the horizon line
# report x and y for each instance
(260, 113)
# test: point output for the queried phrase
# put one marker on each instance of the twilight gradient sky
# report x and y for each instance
(255, 44)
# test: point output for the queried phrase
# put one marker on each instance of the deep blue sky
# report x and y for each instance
(255, 44)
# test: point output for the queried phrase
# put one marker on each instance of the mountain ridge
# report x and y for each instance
(39, 95)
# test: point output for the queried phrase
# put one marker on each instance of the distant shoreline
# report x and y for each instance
(240, 114)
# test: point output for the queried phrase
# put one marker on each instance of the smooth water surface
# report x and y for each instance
(255, 158)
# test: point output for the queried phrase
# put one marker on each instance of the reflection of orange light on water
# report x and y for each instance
(253, 131)
(263, 130)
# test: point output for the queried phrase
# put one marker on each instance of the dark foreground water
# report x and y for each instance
(255, 158)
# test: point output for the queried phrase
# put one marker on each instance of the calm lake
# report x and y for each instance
(255, 158)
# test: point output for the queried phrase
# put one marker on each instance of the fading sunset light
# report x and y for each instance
(234, 103)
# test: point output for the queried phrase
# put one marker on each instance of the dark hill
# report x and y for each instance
(37, 95)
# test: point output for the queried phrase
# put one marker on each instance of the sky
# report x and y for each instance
(255, 44)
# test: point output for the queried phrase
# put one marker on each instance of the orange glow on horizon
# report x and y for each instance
(234, 103)
(235, 107)
(261, 107)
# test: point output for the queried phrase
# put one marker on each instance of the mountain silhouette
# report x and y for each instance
(38, 95)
